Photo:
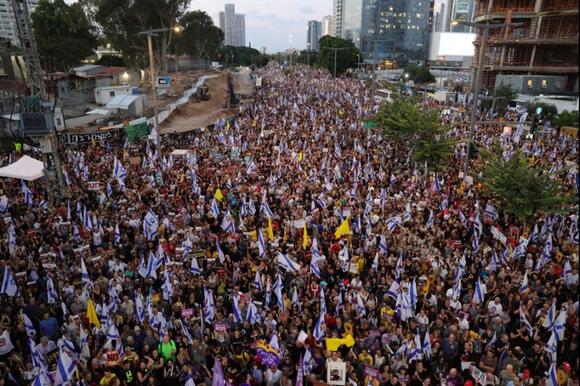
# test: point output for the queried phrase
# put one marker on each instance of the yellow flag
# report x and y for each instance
(92, 314)
(253, 235)
(333, 344)
(343, 229)
(305, 238)
(300, 156)
(270, 230)
(218, 194)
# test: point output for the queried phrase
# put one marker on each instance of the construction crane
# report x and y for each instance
(37, 117)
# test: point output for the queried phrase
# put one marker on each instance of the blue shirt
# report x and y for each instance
(48, 327)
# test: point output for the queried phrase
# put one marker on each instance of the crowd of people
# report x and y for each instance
(293, 244)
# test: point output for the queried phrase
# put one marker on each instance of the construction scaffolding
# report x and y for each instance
(545, 41)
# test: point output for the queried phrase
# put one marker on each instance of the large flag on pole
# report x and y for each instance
(343, 229)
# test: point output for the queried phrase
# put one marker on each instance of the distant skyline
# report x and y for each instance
(270, 22)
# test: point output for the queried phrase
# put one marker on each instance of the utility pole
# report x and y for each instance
(39, 97)
(152, 73)
(485, 26)
(335, 51)
(374, 66)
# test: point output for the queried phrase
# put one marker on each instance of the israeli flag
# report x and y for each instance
(139, 308)
(30, 330)
(251, 166)
(436, 185)
(209, 313)
(261, 244)
(521, 249)
(552, 375)
(228, 224)
(417, 352)
(413, 294)
(526, 323)
(85, 279)
(383, 198)
(117, 235)
(393, 223)
(360, 306)
(221, 255)
(491, 212)
(288, 264)
(9, 286)
(479, 297)
(399, 267)
(185, 332)
(552, 348)
(194, 266)
(383, 245)
(431, 219)
(525, 285)
(258, 281)
(278, 286)
(574, 234)
(42, 379)
(167, 288)
(252, 315)
(237, 313)
(27, 193)
(150, 225)
(535, 236)
(87, 220)
(394, 290)
(478, 227)
(375, 264)
(118, 170)
(427, 350)
(559, 325)
(265, 209)
(65, 369)
(546, 253)
(268, 298)
(318, 333)
(51, 291)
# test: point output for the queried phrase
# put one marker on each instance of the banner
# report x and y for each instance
(268, 355)
(76, 139)
(133, 132)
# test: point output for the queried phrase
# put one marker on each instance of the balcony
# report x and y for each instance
(560, 5)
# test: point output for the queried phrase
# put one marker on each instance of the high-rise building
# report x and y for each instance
(327, 25)
(461, 10)
(240, 27)
(313, 34)
(8, 29)
(397, 30)
(233, 26)
(337, 17)
(543, 49)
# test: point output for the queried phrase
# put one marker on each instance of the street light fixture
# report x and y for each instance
(149, 33)
(484, 25)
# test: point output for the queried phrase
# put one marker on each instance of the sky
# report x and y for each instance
(270, 22)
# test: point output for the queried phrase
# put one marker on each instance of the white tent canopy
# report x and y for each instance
(26, 168)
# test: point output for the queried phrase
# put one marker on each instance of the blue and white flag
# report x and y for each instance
(228, 224)
(393, 223)
(427, 350)
(265, 209)
(258, 281)
(413, 295)
(552, 348)
(383, 248)
(520, 249)
(139, 308)
(150, 225)
(574, 233)
(65, 369)
(85, 279)
(318, 332)
(559, 325)
(221, 255)
(194, 266)
(525, 285)
(9, 286)
(237, 313)
(546, 253)
(399, 267)
(477, 227)
(278, 286)
(417, 351)
(117, 235)
(118, 170)
(209, 313)
(261, 243)
(27, 193)
(552, 375)
(491, 212)
(185, 332)
(394, 290)
(252, 315)
(52, 296)
(287, 263)
(535, 236)
(167, 287)
(215, 209)
(251, 166)
(479, 295)
(526, 323)
(87, 223)
(30, 330)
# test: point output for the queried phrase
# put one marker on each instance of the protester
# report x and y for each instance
(290, 244)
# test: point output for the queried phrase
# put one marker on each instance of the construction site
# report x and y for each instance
(543, 41)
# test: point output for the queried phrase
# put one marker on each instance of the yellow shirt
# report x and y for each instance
(365, 359)
(107, 379)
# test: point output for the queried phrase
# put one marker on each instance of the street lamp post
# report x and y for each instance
(485, 26)
(150, 34)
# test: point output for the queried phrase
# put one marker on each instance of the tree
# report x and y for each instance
(549, 111)
(568, 118)
(111, 60)
(346, 56)
(522, 188)
(420, 131)
(122, 20)
(242, 56)
(503, 94)
(63, 34)
(419, 74)
(200, 38)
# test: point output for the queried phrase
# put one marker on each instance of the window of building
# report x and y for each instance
(544, 83)
(530, 83)
(111, 93)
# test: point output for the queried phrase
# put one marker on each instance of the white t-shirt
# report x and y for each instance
(494, 309)
(5, 343)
